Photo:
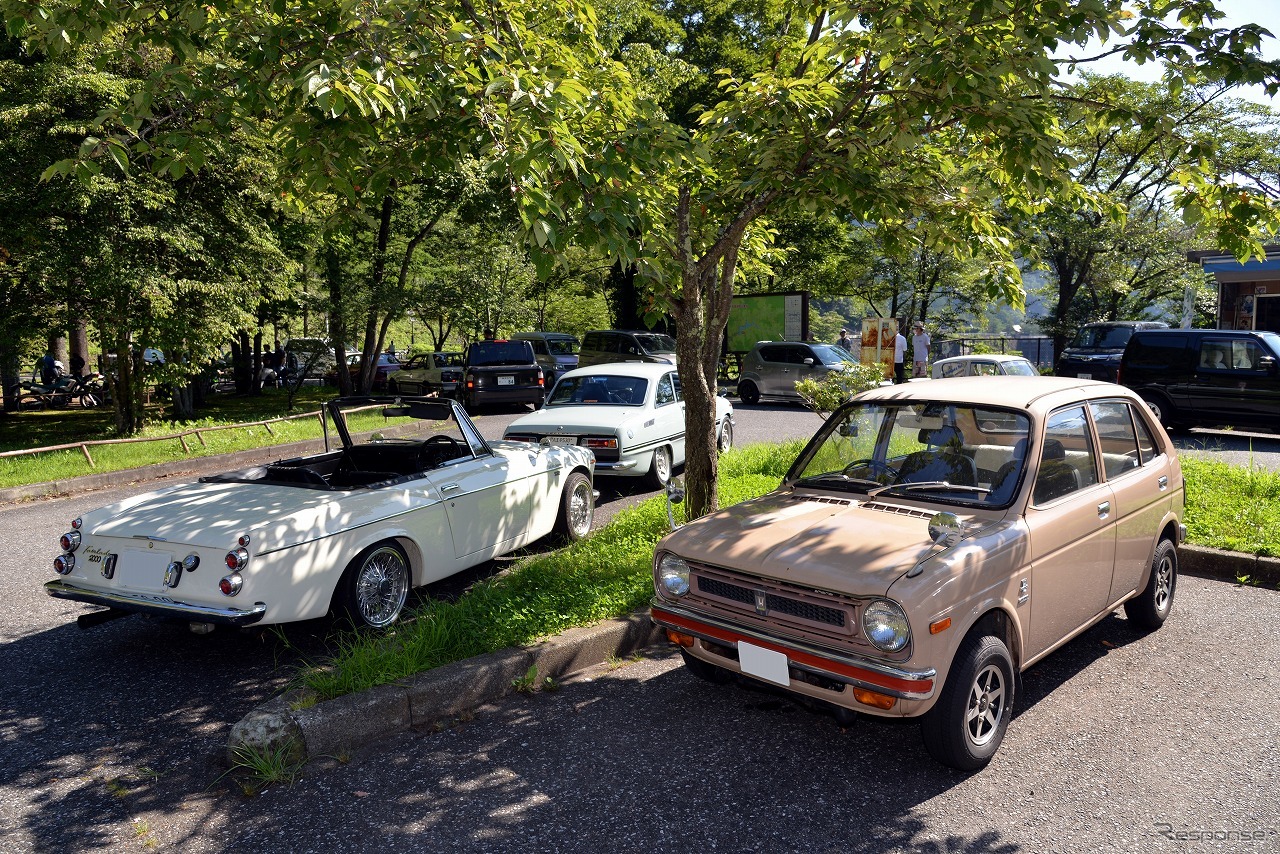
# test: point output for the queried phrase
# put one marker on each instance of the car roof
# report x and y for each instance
(984, 357)
(1038, 395)
(648, 370)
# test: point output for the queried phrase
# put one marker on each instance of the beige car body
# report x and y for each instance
(1035, 573)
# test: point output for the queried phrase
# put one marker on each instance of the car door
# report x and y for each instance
(668, 415)
(1072, 530)
(1233, 384)
(1139, 474)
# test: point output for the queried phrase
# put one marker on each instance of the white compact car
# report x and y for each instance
(349, 530)
(629, 414)
(983, 365)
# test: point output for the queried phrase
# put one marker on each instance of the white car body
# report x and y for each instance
(446, 505)
(640, 416)
(984, 364)
(428, 373)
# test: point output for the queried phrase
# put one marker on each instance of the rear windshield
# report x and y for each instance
(1103, 337)
(500, 353)
(654, 343)
(562, 346)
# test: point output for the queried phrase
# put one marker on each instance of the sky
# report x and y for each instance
(1238, 12)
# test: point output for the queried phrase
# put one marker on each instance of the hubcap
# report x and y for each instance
(1164, 584)
(986, 705)
(662, 464)
(726, 437)
(382, 586)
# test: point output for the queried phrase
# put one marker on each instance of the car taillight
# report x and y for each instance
(237, 558)
(610, 444)
(230, 585)
(77, 522)
(70, 541)
(64, 564)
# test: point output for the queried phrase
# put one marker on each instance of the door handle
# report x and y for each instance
(1163, 482)
(1104, 509)
(450, 487)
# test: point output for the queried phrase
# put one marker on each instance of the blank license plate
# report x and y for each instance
(1085, 376)
(506, 380)
(141, 570)
(763, 663)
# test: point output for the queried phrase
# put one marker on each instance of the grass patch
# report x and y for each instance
(1232, 508)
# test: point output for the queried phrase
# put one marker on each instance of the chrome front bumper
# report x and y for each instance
(158, 606)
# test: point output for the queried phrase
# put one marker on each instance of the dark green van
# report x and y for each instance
(1205, 377)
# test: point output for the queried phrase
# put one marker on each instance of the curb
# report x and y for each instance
(288, 727)
(1228, 566)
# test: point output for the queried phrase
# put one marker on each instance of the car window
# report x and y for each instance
(1246, 355)
(773, 353)
(448, 360)
(1116, 436)
(497, 353)
(953, 369)
(829, 355)
(666, 392)
(1067, 461)
(1215, 354)
(1020, 368)
(599, 390)
(985, 369)
(562, 346)
(1147, 448)
(655, 343)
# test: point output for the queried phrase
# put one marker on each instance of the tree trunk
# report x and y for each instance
(183, 401)
(337, 319)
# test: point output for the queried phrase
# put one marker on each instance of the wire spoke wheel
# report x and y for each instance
(378, 587)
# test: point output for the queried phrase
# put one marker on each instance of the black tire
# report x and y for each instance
(659, 473)
(31, 403)
(373, 590)
(577, 509)
(1150, 608)
(1164, 411)
(981, 681)
(703, 670)
(725, 440)
(748, 392)
(393, 388)
(88, 400)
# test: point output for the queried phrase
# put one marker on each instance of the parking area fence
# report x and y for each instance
(1038, 349)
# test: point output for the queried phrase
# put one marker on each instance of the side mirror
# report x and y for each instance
(809, 361)
(675, 495)
(945, 529)
(848, 429)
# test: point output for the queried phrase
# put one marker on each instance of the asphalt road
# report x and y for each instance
(111, 738)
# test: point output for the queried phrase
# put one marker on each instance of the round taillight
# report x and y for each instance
(190, 562)
(64, 564)
(237, 558)
(70, 541)
(230, 585)
(77, 522)
(242, 540)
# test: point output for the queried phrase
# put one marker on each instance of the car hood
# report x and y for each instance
(213, 515)
(838, 545)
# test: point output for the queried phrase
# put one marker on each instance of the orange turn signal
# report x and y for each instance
(939, 625)
(873, 698)
(679, 638)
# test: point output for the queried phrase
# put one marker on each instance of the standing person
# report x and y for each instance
(845, 340)
(48, 368)
(920, 342)
(899, 355)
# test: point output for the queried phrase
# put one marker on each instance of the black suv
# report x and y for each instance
(1206, 376)
(501, 372)
(1094, 353)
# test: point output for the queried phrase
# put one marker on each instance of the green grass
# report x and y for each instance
(1232, 508)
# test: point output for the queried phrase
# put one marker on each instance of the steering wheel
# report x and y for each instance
(432, 458)
(877, 467)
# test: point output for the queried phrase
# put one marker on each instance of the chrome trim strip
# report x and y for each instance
(147, 605)
(871, 665)
(620, 466)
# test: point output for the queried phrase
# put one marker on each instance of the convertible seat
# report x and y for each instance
(944, 460)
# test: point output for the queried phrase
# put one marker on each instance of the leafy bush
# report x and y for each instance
(826, 395)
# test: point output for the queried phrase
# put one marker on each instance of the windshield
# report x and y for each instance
(1020, 368)
(500, 353)
(599, 390)
(831, 355)
(654, 343)
(1103, 337)
(562, 346)
(448, 360)
(944, 452)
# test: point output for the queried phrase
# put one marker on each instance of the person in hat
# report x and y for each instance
(845, 340)
(920, 349)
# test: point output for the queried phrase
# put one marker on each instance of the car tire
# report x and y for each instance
(1164, 411)
(966, 725)
(659, 473)
(373, 590)
(577, 509)
(725, 441)
(748, 392)
(705, 671)
(1150, 608)
(393, 388)
(31, 403)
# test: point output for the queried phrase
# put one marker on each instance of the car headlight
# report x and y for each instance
(886, 625)
(673, 576)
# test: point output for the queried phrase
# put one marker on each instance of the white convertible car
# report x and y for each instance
(350, 530)
(629, 414)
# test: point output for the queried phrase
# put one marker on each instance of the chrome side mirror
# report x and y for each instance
(945, 529)
(675, 495)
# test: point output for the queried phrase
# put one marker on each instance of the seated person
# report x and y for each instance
(1214, 359)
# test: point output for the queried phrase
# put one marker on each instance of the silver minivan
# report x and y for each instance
(555, 352)
(773, 368)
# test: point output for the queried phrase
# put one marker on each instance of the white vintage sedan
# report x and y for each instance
(350, 530)
(629, 414)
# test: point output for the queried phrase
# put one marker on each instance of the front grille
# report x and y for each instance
(776, 603)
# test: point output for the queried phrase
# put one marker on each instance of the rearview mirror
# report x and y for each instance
(395, 412)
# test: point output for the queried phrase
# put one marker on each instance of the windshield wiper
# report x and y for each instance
(929, 486)
(840, 481)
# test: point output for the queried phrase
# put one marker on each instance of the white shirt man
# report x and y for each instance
(920, 348)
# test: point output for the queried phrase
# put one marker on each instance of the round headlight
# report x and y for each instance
(886, 625)
(673, 575)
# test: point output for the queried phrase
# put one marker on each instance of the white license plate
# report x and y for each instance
(562, 440)
(142, 570)
(1084, 376)
(763, 663)
(506, 380)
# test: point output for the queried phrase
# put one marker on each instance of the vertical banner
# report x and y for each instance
(877, 343)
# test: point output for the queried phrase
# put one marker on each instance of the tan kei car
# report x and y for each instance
(931, 542)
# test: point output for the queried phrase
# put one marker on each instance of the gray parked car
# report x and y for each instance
(773, 368)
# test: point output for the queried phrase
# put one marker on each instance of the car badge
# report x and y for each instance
(762, 604)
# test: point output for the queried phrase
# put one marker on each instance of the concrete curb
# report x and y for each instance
(1228, 566)
(290, 727)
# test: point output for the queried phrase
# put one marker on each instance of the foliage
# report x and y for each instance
(836, 388)
(1232, 508)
